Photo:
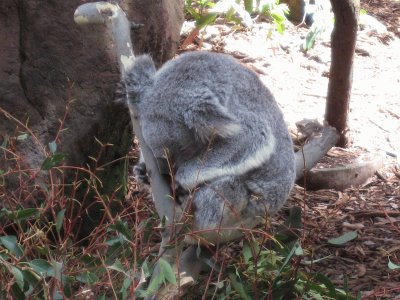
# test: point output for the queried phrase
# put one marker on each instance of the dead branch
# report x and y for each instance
(318, 144)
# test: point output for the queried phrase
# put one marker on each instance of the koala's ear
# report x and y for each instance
(208, 118)
(141, 76)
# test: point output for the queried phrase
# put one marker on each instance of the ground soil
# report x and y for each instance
(299, 82)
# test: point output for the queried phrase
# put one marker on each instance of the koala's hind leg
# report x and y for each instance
(219, 212)
(140, 173)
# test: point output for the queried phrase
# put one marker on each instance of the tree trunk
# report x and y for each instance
(296, 10)
(162, 22)
(47, 60)
(343, 42)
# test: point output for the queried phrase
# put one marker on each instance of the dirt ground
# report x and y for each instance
(299, 82)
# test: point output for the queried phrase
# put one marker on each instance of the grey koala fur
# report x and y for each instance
(223, 135)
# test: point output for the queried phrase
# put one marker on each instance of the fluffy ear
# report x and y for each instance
(208, 118)
(140, 77)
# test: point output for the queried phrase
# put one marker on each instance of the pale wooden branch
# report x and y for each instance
(116, 21)
(318, 144)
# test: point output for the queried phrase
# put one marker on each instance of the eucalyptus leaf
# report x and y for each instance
(393, 266)
(53, 147)
(123, 229)
(19, 277)
(343, 239)
(117, 266)
(52, 161)
(153, 286)
(247, 254)
(60, 219)
(239, 287)
(328, 283)
(167, 270)
(23, 214)
(22, 137)
(87, 277)
(206, 19)
(11, 244)
(41, 267)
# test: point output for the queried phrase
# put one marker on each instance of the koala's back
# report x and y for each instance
(251, 157)
(231, 82)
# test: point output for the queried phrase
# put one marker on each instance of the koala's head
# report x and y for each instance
(186, 131)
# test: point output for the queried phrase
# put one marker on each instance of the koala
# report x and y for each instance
(217, 131)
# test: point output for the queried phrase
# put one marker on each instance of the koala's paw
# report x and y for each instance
(140, 173)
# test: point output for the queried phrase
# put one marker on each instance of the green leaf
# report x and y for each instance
(153, 286)
(167, 271)
(51, 161)
(343, 239)
(206, 19)
(57, 268)
(310, 40)
(5, 142)
(122, 228)
(31, 278)
(125, 286)
(281, 289)
(19, 277)
(198, 251)
(329, 285)
(17, 293)
(67, 288)
(11, 244)
(22, 137)
(60, 218)
(115, 241)
(288, 257)
(41, 267)
(2, 172)
(117, 266)
(299, 251)
(53, 147)
(239, 287)
(248, 6)
(193, 13)
(47, 164)
(247, 254)
(393, 266)
(23, 214)
(87, 277)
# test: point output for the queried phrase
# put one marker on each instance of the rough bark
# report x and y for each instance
(343, 42)
(160, 34)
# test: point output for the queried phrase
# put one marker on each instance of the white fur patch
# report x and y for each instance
(229, 129)
(258, 158)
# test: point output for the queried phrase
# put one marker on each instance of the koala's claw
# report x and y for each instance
(140, 173)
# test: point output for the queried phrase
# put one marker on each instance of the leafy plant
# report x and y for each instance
(264, 273)
(42, 258)
(205, 12)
